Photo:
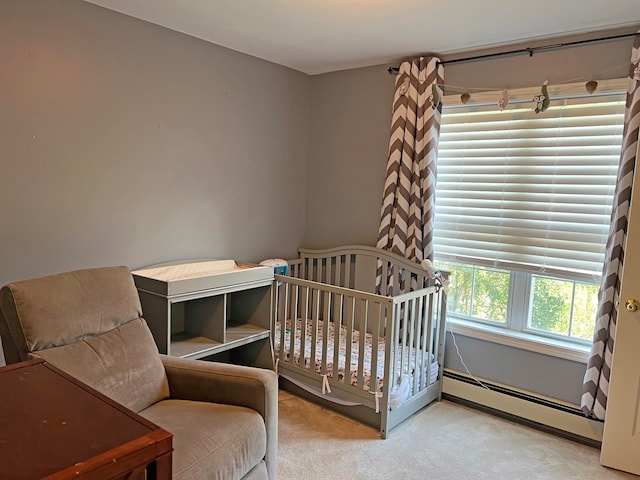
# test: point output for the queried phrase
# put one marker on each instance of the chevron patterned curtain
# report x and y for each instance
(406, 220)
(596, 380)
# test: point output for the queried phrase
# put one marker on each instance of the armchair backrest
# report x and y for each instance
(88, 323)
(65, 308)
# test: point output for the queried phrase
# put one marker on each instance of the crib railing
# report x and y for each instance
(407, 325)
(320, 306)
(361, 267)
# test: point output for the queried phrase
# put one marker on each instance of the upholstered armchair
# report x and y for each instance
(90, 324)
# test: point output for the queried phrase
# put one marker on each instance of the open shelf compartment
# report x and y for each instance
(208, 317)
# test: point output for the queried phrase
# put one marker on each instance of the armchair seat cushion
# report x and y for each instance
(212, 440)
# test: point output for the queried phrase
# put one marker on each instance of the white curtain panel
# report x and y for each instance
(596, 380)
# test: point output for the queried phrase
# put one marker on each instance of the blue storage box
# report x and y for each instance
(281, 269)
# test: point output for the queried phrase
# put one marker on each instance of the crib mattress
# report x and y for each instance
(405, 365)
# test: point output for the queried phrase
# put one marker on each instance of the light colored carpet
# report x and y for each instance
(443, 441)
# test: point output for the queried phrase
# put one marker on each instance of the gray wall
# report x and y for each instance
(128, 143)
(348, 145)
(543, 374)
(350, 121)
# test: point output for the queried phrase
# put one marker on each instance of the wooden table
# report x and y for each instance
(53, 426)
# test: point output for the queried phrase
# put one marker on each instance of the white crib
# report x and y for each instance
(377, 358)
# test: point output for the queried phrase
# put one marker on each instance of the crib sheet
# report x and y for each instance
(405, 365)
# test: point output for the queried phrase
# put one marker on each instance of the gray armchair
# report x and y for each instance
(89, 323)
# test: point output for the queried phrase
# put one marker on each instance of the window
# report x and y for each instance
(523, 206)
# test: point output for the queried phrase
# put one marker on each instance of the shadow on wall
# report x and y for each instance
(2, 362)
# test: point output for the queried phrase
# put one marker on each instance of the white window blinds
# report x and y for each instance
(528, 191)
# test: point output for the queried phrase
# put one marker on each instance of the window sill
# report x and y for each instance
(524, 341)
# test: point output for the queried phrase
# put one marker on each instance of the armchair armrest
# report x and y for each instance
(250, 387)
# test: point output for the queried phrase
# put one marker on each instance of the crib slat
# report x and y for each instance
(441, 309)
(427, 335)
(283, 303)
(337, 322)
(420, 358)
(412, 358)
(295, 314)
(430, 346)
(348, 342)
(284, 319)
(354, 269)
(338, 271)
(315, 316)
(304, 303)
(384, 281)
(426, 340)
(378, 315)
(329, 271)
(396, 341)
(347, 272)
(397, 280)
(362, 345)
(404, 353)
(325, 336)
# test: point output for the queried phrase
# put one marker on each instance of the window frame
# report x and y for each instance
(518, 313)
(516, 331)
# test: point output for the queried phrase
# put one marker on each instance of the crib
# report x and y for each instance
(371, 350)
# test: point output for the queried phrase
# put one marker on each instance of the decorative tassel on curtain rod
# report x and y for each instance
(528, 51)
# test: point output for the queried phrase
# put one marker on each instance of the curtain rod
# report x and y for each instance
(529, 51)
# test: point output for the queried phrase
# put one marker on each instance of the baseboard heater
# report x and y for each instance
(523, 407)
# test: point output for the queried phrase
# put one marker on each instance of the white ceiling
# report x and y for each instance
(317, 36)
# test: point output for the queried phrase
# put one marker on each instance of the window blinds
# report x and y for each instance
(528, 191)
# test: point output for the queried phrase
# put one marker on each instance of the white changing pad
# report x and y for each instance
(184, 271)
